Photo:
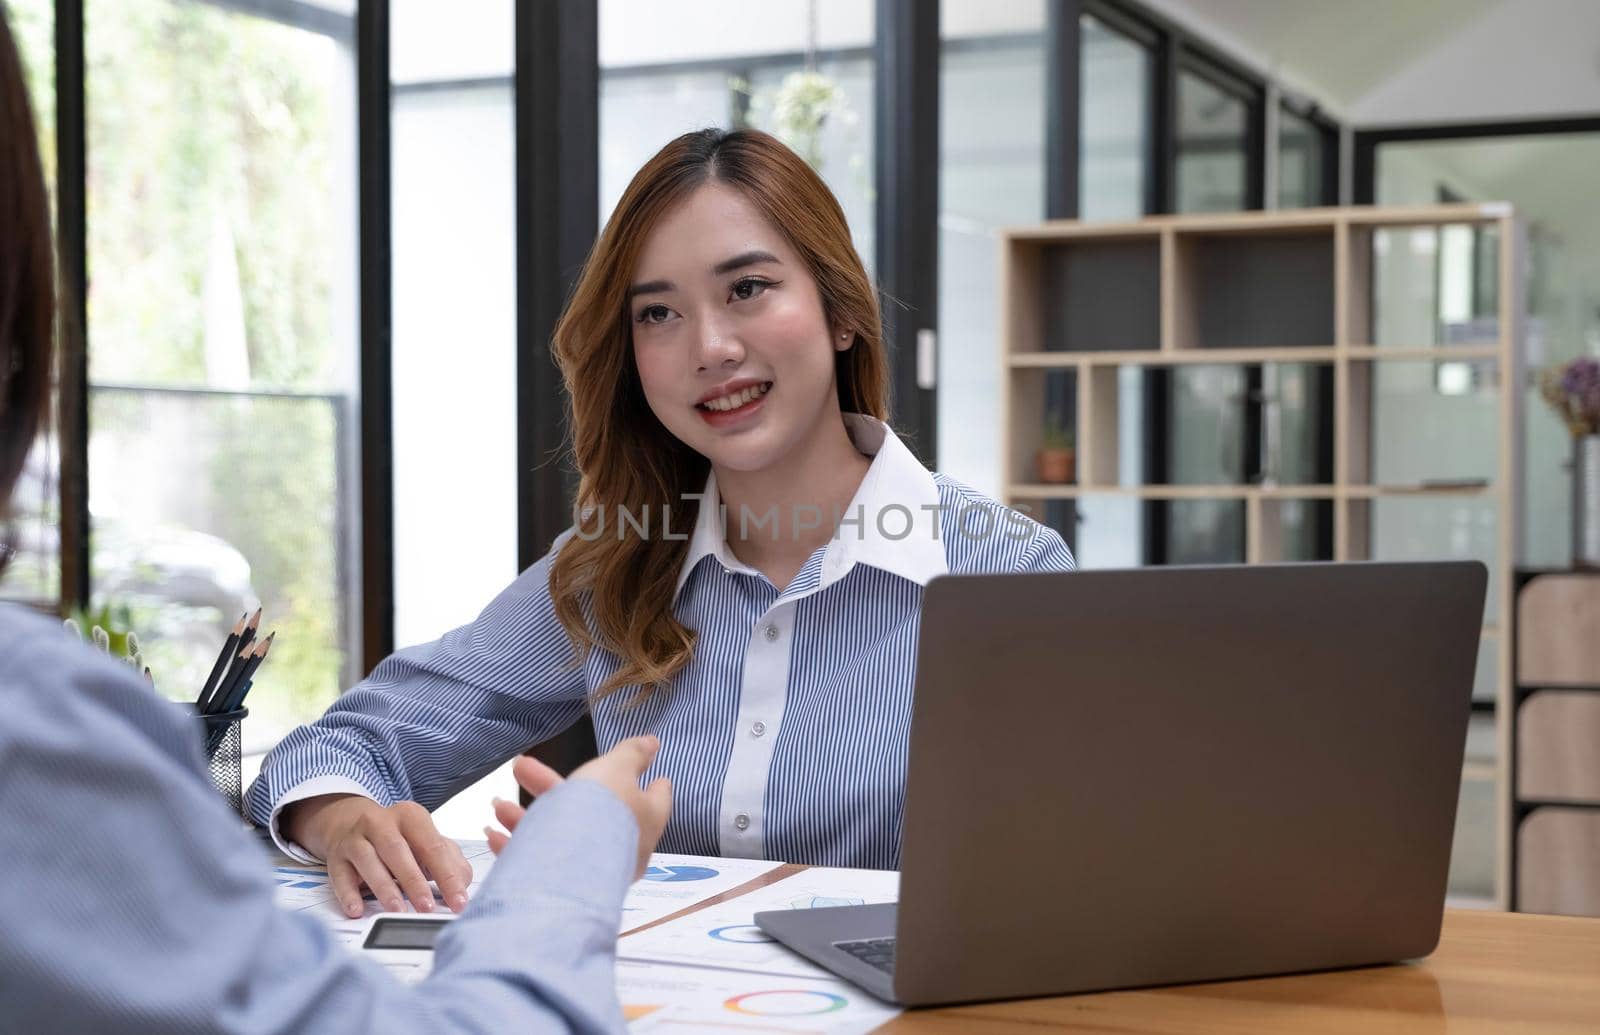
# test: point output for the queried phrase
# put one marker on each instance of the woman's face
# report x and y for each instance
(733, 350)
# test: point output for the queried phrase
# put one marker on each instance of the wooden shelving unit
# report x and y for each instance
(1555, 730)
(1086, 300)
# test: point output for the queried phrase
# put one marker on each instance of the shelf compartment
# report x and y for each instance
(1281, 528)
(1097, 294)
(1424, 527)
(1237, 291)
(1556, 738)
(1409, 425)
(1038, 397)
(1434, 283)
(1549, 608)
(1556, 849)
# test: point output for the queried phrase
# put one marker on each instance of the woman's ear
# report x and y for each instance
(842, 340)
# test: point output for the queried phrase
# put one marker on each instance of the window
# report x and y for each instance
(991, 175)
(1208, 407)
(1214, 171)
(1114, 134)
(454, 343)
(1307, 174)
(801, 71)
(222, 338)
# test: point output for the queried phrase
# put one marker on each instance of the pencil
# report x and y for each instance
(233, 689)
(231, 695)
(223, 657)
(219, 693)
(249, 636)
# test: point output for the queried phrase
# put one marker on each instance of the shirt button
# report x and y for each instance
(741, 821)
(770, 632)
(758, 729)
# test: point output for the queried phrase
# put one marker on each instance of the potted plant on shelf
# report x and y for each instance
(1056, 460)
(1573, 390)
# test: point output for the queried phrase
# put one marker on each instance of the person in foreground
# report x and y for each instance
(133, 900)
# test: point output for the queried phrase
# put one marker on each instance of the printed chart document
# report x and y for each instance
(674, 882)
(659, 997)
(726, 936)
(712, 970)
(671, 883)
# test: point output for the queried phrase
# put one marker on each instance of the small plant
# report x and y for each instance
(1573, 390)
(1056, 462)
(114, 617)
(1057, 435)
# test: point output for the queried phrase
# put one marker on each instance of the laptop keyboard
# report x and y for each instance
(877, 952)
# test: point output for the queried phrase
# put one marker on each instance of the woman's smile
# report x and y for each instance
(733, 404)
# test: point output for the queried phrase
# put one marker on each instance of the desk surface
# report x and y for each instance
(1492, 972)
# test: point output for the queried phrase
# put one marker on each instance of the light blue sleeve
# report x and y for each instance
(134, 901)
(435, 718)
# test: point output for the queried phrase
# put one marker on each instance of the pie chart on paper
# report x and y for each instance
(678, 874)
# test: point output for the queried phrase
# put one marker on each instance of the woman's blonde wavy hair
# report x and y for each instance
(627, 461)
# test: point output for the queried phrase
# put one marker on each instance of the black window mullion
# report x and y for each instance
(373, 157)
(1063, 109)
(73, 258)
(558, 203)
(1255, 193)
(557, 90)
(1162, 198)
(1331, 140)
(906, 103)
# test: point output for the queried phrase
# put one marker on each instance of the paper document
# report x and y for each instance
(675, 882)
(658, 997)
(671, 883)
(725, 935)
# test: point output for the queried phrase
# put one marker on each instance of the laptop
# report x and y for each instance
(1169, 775)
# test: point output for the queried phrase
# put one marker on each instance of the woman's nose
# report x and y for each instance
(717, 348)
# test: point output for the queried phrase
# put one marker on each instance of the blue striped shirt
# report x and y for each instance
(786, 734)
(134, 901)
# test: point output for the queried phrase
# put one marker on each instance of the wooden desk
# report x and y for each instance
(1492, 972)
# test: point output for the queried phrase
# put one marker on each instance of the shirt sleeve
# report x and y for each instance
(1046, 551)
(434, 718)
(135, 901)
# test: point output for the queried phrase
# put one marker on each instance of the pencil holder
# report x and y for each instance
(222, 744)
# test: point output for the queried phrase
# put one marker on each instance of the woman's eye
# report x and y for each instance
(750, 287)
(654, 314)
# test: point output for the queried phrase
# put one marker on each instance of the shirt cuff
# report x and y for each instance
(578, 841)
(317, 785)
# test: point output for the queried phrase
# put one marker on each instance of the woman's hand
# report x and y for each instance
(393, 850)
(618, 771)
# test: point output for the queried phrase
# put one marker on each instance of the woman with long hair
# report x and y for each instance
(745, 570)
(134, 901)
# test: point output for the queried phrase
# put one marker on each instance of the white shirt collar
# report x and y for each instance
(892, 523)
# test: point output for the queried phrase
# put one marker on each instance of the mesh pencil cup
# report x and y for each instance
(222, 746)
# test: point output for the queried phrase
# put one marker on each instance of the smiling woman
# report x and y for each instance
(720, 301)
(745, 580)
